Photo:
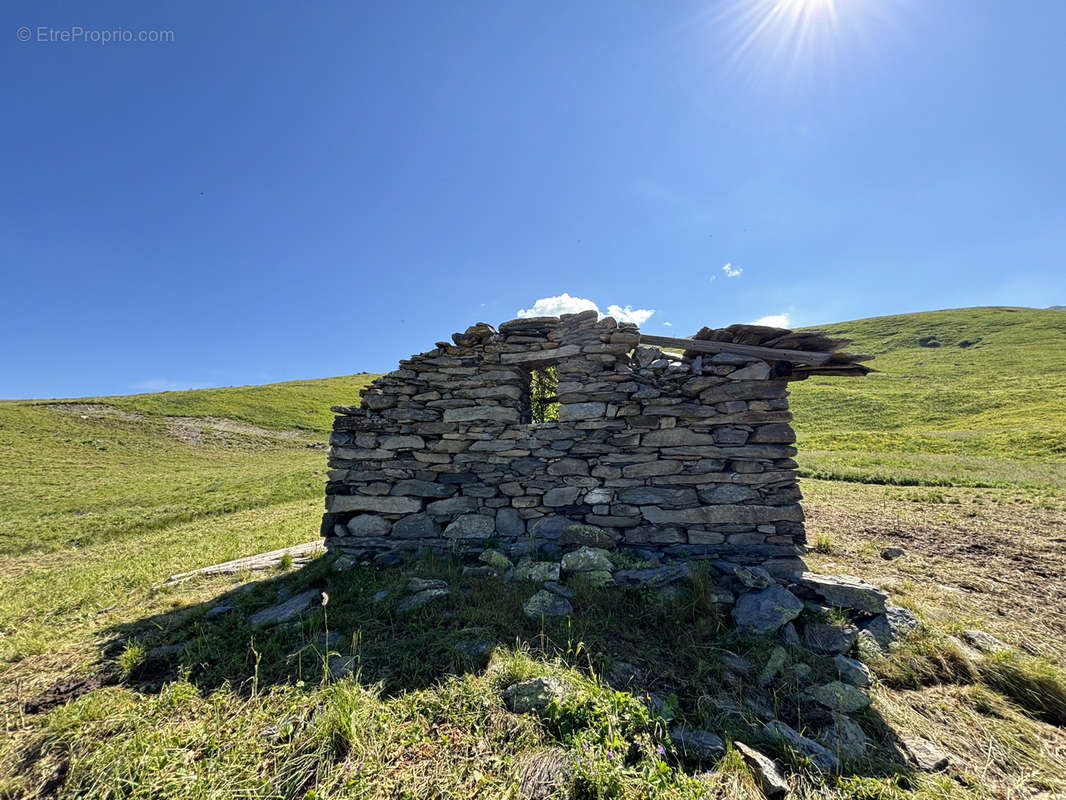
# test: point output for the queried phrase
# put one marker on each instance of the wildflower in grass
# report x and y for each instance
(325, 599)
(660, 750)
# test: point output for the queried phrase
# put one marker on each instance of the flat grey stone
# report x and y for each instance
(587, 559)
(892, 553)
(509, 523)
(547, 604)
(451, 506)
(845, 591)
(840, 696)
(380, 597)
(415, 526)
(594, 577)
(985, 642)
(473, 648)
(739, 664)
(658, 495)
(789, 635)
(471, 526)
(343, 563)
(536, 571)
(766, 610)
(597, 496)
(852, 671)
(495, 559)
(589, 535)
(755, 371)
(845, 738)
(421, 584)
(482, 414)
(283, 612)
(368, 525)
(549, 527)
(774, 663)
(423, 489)
(675, 437)
(573, 412)
(696, 743)
(534, 695)
(165, 651)
(559, 589)
(829, 639)
(339, 503)
(403, 443)
(753, 577)
(569, 466)
(479, 571)
(890, 627)
(420, 599)
(927, 756)
(772, 783)
(342, 666)
(654, 576)
(561, 496)
(820, 757)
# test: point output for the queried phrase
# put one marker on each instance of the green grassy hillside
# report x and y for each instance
(102, 498)
(985, 407)
(69, 465)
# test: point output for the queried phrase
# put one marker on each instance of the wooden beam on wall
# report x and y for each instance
(766, 353)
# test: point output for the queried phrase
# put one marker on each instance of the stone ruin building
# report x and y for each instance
(671, 457)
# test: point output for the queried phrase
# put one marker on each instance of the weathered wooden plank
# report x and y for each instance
(300, 554)
(755, 351)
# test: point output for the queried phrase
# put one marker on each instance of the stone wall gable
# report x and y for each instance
(674, 457)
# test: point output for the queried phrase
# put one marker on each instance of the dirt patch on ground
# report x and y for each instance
(68, 689)
(91, 410)
(192, 430)
(200, 430)
(1003, 561)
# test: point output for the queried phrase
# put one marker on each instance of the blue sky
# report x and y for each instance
(287, 190)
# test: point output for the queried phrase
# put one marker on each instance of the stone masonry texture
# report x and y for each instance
(679, 457)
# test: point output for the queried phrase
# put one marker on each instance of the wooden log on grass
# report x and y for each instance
(300, 554)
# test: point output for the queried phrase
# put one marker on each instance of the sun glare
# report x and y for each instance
(799, 32)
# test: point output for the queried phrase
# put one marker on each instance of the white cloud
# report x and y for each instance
(565, 304)
(775, 321)
(560, 304)
(637, 316)
(731, 271)
(668, 324)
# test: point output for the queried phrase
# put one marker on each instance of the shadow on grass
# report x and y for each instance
(671, 646)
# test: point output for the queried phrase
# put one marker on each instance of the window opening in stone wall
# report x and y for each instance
(543, 402)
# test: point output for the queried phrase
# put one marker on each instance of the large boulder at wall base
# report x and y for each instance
(844, 591)
(766, 610)
(587, 559)
(547, 604)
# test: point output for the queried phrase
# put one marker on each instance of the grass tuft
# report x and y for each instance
(1037, 686)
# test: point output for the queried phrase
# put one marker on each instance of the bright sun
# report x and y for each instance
(793, 30)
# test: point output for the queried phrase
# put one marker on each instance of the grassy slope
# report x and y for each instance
(992, 414)
(68, 469)
(82, 551)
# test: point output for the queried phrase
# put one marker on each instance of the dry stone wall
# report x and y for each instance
(674, 457)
